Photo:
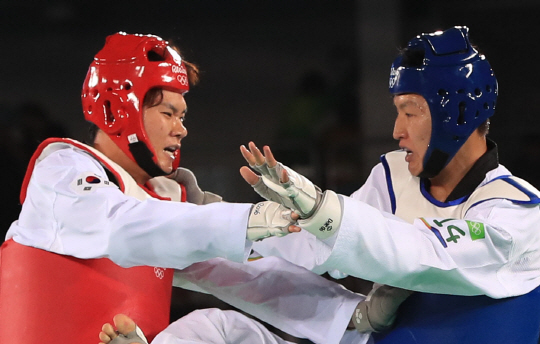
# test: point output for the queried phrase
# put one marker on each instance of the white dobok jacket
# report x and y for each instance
(72, 208)
(394, 232)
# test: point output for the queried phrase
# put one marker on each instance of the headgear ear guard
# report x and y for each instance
(116, 83)
(458, 85)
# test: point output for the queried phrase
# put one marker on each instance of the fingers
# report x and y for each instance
(254, 156)
(284, 178)
(247, 155)
(269, 157)
(256, 153)
(249, 176)
(294, 229)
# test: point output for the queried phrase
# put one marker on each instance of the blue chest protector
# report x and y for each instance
(446, 319)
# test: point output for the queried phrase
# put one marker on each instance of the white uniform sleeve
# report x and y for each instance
(59, 217)
(305, 250)
(282, 294)
(299, 248)
(493, 251)
(432, 255)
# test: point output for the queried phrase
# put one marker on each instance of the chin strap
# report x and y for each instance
(434, 165)
(144, 158)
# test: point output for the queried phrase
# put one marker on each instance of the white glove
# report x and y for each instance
(320, 212)
(298, 194)
(267, 219)
(326, 218)
(194, 194)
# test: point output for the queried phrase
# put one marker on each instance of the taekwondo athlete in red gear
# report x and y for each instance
(440, 217)
(101, 228)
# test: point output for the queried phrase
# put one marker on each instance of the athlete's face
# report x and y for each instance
(413, 129)
(164, 124)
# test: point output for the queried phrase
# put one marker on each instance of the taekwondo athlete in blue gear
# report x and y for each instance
(461, 90)
(440, 217)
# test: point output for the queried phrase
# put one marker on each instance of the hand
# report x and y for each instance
(279, 183)
(267, 219)
(194, 194)
(320, 213)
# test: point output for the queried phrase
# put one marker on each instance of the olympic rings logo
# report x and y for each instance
(160, 273)
(182, 78)
(476, 228)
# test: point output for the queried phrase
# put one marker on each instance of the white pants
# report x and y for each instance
(214, 326)
(287, 296)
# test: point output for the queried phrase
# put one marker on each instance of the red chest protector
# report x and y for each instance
(49, 298)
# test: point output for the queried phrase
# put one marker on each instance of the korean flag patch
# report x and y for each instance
(87, 182)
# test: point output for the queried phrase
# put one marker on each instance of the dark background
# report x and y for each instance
(308, 77)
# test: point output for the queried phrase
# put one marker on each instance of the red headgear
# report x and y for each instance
(114, 89)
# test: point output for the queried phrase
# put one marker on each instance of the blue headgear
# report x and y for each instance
(458, 85)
